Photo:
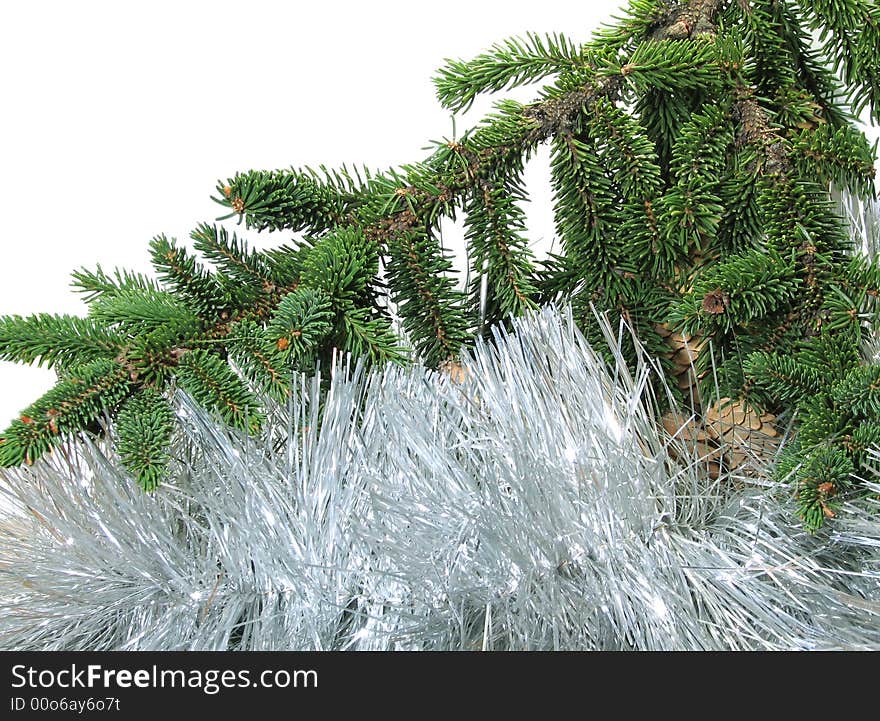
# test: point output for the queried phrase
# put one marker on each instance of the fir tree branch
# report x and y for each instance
(754, 129)
(70, 406)
(210, 380)
(56, 340)
(513, 62)
(185, 275)
(851, 29)
(295, 200)
(841, 156)
(260, 360)
(431, 308)
(143, 429)
(232, 256)
(302, 319)
(96, 284)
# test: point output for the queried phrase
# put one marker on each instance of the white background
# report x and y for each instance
(118, 118)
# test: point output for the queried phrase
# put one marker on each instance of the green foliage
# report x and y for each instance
(75, 402)
(343, 266)
(306, 200)
(782, 378)
(188, 278)
(135, 312)
(209, 380)
(421, 283)
(851, 32)
(838, 398)
(498, 250)
(257, 356)
(737, 292)
(94, 284)
(672, 65)
(246, 275)
(514, 62)
(836, 155)
(364, 335)
(143, 430)
(694, 148)
(56, 340)
(819, 481)
(302, 319)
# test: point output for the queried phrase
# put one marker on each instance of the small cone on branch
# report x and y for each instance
(683, 352)
(728, 436)
(695, 442)
(746, 433)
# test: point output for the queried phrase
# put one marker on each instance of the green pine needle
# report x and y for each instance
(143, 430)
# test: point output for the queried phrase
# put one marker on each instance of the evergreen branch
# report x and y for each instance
(859, 392)
(779, 379)
(143, 431)
(821, 88)
(653, 184)
(653, 20)
(232, 256)
(641, 20)
(584, 198)
(698, 155)
(798, 214)
(672, 65)
(259, 359)
(69, 407)
(97, 284)
(633, 167)
(823, 422)
(765, 32)
(737, 292)
(213, 384)
(246, 278)
(138, 311)
(800, 217)
(301, 321)
(832, 354)
(297, 200)
(755, 130)
(636, 171)
(509, 135)
(851, 30)
(152, 356)
(864, 438)
(425, 294)
(692, 215)
(342, 265)
(742, 222)
(373, 338)
(823, 476)
(841, 156)
(498, 251)
(512, 62)
(56, 340)
(186, 276)
(843, 311)
(862, 273)
(285, 264)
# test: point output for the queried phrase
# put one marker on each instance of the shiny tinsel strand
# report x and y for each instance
(529, 502)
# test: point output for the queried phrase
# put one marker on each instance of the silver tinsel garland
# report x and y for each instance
(531, 503)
